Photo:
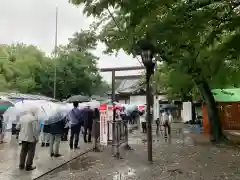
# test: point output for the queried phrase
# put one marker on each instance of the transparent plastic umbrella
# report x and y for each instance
(43, 108)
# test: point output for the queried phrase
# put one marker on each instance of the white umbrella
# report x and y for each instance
(44, 110)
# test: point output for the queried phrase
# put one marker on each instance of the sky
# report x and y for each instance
(33, 22)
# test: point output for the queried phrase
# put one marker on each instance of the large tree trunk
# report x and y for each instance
(213, 115)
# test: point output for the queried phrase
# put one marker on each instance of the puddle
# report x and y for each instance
(124, 174)
(79, 165)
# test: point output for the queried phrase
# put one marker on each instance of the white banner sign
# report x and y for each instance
(110, 120)
(103, 125)
(187, 111)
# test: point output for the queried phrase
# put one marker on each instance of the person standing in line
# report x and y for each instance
(65, 133)
(56, 130)
(166, 123)
(88, 121)
(29, 133)
(1, 129)
(45, 137)
(143, 121)
(76, 121)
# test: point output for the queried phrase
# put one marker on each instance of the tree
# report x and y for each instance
(199, 38)
(24, 68)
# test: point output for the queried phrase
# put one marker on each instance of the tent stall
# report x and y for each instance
(228, 104)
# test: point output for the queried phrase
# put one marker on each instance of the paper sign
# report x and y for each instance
(103, 125)
(110, 120)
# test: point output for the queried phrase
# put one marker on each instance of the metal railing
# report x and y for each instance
(120, 138)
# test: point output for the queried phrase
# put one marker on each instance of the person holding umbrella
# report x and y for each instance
(1, 129)
(76, 121)
(29, 133)
(88, 121)
(56, 130)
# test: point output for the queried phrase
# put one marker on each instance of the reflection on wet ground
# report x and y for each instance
(9, 159)
(180, 158)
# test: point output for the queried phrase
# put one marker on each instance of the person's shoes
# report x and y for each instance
(43, 144)
(57, 155)
(21, 167)
(30, 168)
(77, 148)
(52, 154)
(47, 144)
(89, 141)
(85, 140)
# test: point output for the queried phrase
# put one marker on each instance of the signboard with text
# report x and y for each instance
(103, 125)
(110, 120)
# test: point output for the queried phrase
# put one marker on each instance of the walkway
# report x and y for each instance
(179, 159)
(9, 159)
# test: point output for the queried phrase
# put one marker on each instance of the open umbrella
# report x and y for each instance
(168, 106)
(44, 110)
(78, 98)
(4, 105)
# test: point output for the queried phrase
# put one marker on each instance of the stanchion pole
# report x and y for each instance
(127, 146)
(96, 148)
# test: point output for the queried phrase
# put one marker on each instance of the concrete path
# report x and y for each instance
(9, 160)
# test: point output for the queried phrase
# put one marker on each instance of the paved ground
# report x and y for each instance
(178, 159)
(9, 159)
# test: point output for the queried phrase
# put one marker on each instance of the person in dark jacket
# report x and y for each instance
(88, 121)
(65, 133)
(56, 130)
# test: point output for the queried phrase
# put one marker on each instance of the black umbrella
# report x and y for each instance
(78, 98)
(168, 106)
(4, 105)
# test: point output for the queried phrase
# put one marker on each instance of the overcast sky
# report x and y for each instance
(33, 22)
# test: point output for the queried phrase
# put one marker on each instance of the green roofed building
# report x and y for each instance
(226, 95)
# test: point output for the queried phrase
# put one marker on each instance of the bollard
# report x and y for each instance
(96, 136)
(116, 143)
(126, 147)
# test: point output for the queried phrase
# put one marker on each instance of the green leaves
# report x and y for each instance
(195, 39)
(26, 69)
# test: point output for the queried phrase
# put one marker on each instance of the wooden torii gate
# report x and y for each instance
(113, 71)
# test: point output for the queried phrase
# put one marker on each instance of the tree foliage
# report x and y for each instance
(197, 39)
(24, 68)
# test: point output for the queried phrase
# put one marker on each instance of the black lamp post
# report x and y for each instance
(147, 51)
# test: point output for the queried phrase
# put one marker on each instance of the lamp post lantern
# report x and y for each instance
(147, 51)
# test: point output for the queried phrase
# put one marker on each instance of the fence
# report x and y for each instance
(115, 140)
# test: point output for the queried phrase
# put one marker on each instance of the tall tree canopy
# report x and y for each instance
(24, 68)
(198, 38)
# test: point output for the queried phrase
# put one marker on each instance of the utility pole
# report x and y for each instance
(55, 54)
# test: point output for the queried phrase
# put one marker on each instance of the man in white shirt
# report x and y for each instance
(29, 134)
(166, 123)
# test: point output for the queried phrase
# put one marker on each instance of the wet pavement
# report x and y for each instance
(179, 159)
(9, 159)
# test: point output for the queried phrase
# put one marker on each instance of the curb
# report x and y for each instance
(81, 154)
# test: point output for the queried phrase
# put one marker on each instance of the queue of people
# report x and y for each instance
(52, 133)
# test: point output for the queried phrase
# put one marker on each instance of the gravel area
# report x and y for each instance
(175, 160)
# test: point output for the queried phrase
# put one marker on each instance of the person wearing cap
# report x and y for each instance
(29, 133)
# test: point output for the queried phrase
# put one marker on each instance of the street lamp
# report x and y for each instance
(147, 51)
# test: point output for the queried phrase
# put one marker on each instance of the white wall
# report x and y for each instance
(138, 100)
(141, 100)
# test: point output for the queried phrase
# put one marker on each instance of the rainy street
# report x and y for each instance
(181, 159)
(9, 158)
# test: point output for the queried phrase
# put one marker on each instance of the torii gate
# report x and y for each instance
(113, 70)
